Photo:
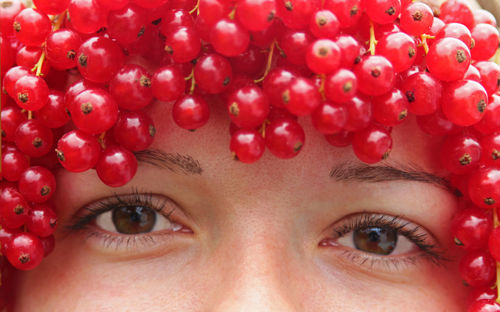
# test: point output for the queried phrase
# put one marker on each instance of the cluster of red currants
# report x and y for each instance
(356, 67)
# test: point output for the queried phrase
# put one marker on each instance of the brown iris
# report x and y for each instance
(134, 219)
(378, 240)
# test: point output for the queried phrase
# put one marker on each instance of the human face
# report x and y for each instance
(260, 237)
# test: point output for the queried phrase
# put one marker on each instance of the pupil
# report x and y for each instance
(134, 219)
(378, 240)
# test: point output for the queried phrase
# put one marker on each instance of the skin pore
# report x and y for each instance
(260, 237)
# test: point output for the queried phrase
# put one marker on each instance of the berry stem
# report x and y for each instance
(269, 62)
(38, 66)
(373, 40)
(424, 43)
(101, 140)
(322, 87)
(59, 20)
(30, 115)
(196, 8)
(193, 81)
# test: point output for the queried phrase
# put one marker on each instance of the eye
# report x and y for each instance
(378, 240)
(133, 220)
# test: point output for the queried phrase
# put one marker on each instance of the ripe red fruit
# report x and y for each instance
(301, 97)
(51, 7)
(423, 93)
(183, 43)
(460, 154)
(416, 18)
(329, 118)
(478, 268)
(99, 59)
(9, 11)
(391, 108)
(13, 164)
(484, 306)
(229, 38)
(285, 138)
(78, 151)
(168, 83)
(32, 92)
(276, 82)
(448, 59)
(490, 145)
(86, 16)
(53, 114)
(31, 26)
(33, 138)
(248, 107)
(383, 11)
(340, 86)
(399, 48)
(323, 56)
(11, 118)
(131, 87)
(464, 102)
(484, 187)
(25, 251)
(491, 118)
(256, 15)
(359, 113)
(375, 75)
(213, 73)
(94, 111)
(116, 166)
(247, 145)
(14, 208)
(372, 144)
(61, 47)
(490, 76)
(134, 130)
(127, 24)
(471, 228)
(42, 220)
(296, 14)
(324, 24)
(190, 112)
(458, 11)
(37, 184)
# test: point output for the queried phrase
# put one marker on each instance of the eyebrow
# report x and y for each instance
(174, 162)
(349, 172)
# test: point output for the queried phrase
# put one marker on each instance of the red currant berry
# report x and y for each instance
(54, 114)
(448, 59)
(116, 166)
(183, 43)
(99, 59)
(86, 16)
(247, 145)
(458, 11)
(94, 111)
(323, 56)
(25, 251)
(399, 48)
(416, 19)
(61, 47)
(423, 93)
(190, 112)
(471, 228)
(301, 97)
(32, 92)
(42, 220)
(127, 24)
(372, 144)
(168, 84)
(13, 164)
(51, 7)
(256, 15)
(229, 38)
(213, 73)
(10, 120)
(248, 107)
(383, 11)
(490, 155)
(484, 306)
(14, 208)
(33, 138)
(477, 268)
(391, 108)
(134, 131)
(324, 24)
(329, 118)
(37, 184)
(78, 151)
(491, 119)
(131, 87)
(275, 84)
(490, 76)
(484, 187)
(460, 154)
(285, 138)
(31, 27)
(464, 102)
(296, 14)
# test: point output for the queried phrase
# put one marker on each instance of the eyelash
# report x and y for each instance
(430, 252)
(135, 197)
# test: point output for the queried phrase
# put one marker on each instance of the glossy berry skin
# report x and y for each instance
(134, 130)
(490, 145)
(248, 107)
(341, 86)
(301, 97)
(94, 111)
(340, 139)
(32, 92)
(6, 236)
(42, 220)
(399, 48)
(490, 76)
(448, 59)
(295, 45)
(458, 31)
(53, 114)
(229, 38)
(323, 56)
(483, 16)
(14, 208)
(285, 138)
(256, 15)
(372, 144)
(86, 16)
(471, 228)
(458, 11)
(51, 7)
(481, 293)
(383, 11)
(484, 306)
(131, 87)
(116, 166)
(127, 24)
(491, 119)
(247, 145)
(61, 47)
(416, 18)
(190, 112)
(25, 251)
(348, 12)
(484, 187)
(350, 48)
(329, 118)
(296, 14)
(423, 93)
(460, 153)
(33, 138)
(99, 59)
(9, 11)
(175, 18)
(78, 151)
(31, 26)
(359, 113)
(324, 24)
(213, 73)
(37, 184)
(275, 84)
(437, 124)
(477, 268)
(486, 39)
(183, 43)
(29, 56)
(76, 88)
(13, 164)
(464, 102)
(11, 77)
(11, 118)
(391, 108)
(167, 83)
(375, 75)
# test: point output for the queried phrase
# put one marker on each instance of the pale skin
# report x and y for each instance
(251, 235)
(250, 238)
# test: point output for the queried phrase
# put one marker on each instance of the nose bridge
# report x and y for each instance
(255, 272)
